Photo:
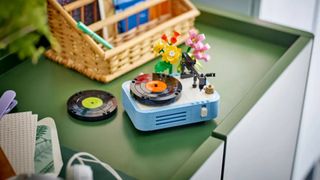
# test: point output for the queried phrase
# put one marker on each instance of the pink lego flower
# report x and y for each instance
(195, 41)
(199, 51)
(194, 38)
(199, 46)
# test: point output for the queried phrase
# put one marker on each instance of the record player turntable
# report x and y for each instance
(157, 101)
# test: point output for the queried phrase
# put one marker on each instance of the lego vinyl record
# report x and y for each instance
(92, 105)
(155, 89)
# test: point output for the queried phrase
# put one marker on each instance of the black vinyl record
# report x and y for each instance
(92, 105)
(155, 89)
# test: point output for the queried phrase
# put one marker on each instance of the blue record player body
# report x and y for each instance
(193, 106)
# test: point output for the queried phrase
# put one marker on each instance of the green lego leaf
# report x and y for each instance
(162, 66)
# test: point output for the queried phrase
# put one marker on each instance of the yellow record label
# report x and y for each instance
(92, 102)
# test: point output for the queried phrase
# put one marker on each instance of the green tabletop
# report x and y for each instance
(238, 59)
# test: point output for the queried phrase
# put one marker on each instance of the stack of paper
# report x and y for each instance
(30, 146)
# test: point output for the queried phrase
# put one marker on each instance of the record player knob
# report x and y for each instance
(209, 89)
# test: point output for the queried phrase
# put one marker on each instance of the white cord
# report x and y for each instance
(95, 160)
(106, 166)
(80, 160)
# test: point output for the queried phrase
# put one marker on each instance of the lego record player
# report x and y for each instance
(157, 101)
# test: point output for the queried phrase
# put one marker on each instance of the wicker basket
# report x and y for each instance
(131, 49)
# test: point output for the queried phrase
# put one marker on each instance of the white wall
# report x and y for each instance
(302, 14)
(295, 13)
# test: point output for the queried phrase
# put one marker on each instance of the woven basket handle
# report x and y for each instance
(77, 4)
(124, 14)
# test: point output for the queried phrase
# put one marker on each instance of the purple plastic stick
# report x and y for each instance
(6, 100)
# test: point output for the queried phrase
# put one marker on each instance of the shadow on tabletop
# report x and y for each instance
(93, 123)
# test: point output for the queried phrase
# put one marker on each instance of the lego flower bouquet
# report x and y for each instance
(171, 54)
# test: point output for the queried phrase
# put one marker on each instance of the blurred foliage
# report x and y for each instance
(22, 24)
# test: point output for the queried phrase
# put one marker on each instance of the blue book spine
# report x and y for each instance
(134, 20)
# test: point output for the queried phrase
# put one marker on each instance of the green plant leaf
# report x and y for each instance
(22, 24)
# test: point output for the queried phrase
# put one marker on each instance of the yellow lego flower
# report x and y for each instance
(171, 54)
(158, 46)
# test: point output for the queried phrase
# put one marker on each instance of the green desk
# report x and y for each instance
(243, 51)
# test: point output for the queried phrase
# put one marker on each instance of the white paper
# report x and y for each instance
(17, 139)
(57, 159)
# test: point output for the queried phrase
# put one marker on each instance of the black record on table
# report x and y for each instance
(92, 105)
(155, 89)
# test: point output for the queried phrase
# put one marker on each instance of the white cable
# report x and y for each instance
(80, 160)
(95, 160)
(106, 166)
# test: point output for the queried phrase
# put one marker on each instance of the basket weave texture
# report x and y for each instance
(131, 49)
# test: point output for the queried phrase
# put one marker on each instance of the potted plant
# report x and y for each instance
(22, 25)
